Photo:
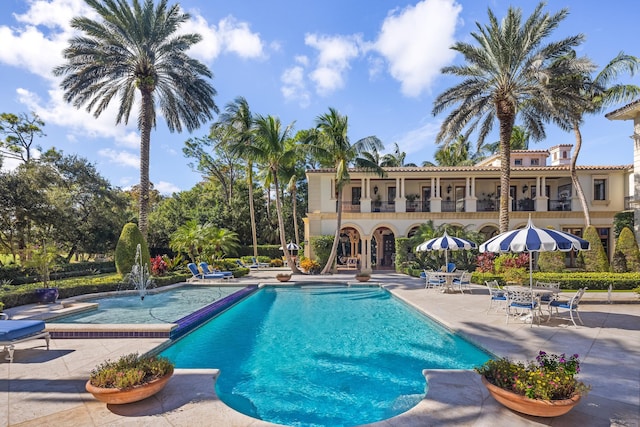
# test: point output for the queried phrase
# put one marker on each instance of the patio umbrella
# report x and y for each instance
(291, 247)
(534, 239)
(446, 243)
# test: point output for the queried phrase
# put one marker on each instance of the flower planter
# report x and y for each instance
(116, 396)
(363, 278)
(535, 407)
(47, 295)
(284, 278)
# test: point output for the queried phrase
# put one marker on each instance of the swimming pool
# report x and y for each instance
(322, 355)
(166, 306)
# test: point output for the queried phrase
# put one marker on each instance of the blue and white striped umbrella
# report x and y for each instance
(291, 247)
(534, 239)
(446, 243)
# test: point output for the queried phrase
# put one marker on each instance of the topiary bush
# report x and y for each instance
(552, 261)
(595, 259)
(627, 245)
(126, 249)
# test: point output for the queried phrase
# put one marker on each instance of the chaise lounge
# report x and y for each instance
(16, 331)
(198, 275)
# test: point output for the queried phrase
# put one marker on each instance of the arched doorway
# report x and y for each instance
(349, 246)
(383, 249)
(489, 231)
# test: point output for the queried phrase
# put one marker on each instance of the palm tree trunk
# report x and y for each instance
(334, 248)
(574, 175)
(146, 122)
(283, 239)
(252, 210)
(506, 120)
(294, 201)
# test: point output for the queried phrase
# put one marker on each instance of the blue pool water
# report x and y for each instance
(161, 307)
(322, 356)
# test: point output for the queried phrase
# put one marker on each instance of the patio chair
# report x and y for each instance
(260, 264)
(463, 281)
(198, 275)
(16, 331)
(206, 269)
(433, 280)
(571, 306)
(519, 301)
(451, 267)
(495, 293)
(243, 265)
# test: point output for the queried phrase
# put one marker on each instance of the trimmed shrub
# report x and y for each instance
(321, 246)
(628, 246)
(596, 258)
(125, 255)
(622, 220)
(552, 261)
(619, 264)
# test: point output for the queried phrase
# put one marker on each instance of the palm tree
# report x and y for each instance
(395, 159)
(239, 116)
(133, 49)
(506, 71)
(273, 151)
(591, 96)
(456, 153)
(332, 147)
(519, 141)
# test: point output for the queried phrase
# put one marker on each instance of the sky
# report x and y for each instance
(377, 62)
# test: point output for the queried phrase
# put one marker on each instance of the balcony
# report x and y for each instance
(452, 206)
(350, 206)
(383, 206)
(418, 206)
(487, 205)
(526, 205)
(559, 205)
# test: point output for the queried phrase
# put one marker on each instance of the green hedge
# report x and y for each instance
(567, 280)
(19, 275)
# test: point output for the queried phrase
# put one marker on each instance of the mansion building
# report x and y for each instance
(378, 210)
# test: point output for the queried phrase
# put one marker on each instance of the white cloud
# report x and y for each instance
(123, 158)
(416, 42)
(229, 35)
(166, 188)
(334, 54)
(294, 87)
(419, 139)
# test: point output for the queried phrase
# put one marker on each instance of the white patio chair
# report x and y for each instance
(463, 281)
(520, 301)
(571, 306)
(495, 293)
(434, 280)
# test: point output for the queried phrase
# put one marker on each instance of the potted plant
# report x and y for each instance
(309, 265)
(283, 277)
(41, 259)
(129, 379)
(362, 276)
(546, 387)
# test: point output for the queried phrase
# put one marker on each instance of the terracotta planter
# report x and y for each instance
(284, 278)
(363, 278)
(116, 396)
(535, 407)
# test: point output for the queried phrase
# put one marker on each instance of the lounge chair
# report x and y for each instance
(260, 264)
(206, 269)
(198, 275)
(16, 331)
(243, 265)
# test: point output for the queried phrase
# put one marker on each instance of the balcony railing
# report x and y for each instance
(383, 206)
(559, 205)
(627, 203)
(526, 205)
(452, 206)
(350, 206)
(418, 206)
(487, 206)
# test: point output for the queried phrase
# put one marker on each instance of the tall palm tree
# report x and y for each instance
(332, 147)
(273, 151)
(506, 70)
(519, 141)
(395, 159)
(456, 153)
(135, 50)
(239, 116)
(591, 96)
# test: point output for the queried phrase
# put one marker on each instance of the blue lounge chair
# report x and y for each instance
(198, 275)
(260, 264)
(208, 270)
(16, 331)
(243, 265)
